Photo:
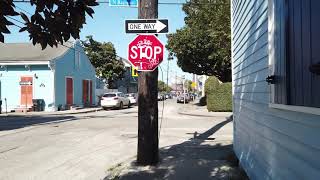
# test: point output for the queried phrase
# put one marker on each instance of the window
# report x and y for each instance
(294, 54)
(109, 95)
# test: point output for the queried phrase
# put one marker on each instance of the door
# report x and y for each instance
(26, 91)
(90, 87)
(84, 92)
(69, 91)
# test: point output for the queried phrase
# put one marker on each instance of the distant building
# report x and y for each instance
(201, 81)
(58, 77)
(127, 84)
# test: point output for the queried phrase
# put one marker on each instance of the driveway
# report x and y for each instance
(85, 146)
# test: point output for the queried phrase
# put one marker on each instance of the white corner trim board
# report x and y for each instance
(302, 109)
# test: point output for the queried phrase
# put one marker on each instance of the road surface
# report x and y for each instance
(85, 146)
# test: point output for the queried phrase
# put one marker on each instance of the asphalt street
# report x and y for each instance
(85, 146)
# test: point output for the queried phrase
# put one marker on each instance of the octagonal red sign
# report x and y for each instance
(146, 52)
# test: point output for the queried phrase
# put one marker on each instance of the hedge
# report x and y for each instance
(219, 95)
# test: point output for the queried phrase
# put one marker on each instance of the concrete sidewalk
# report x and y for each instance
(43, 113)
(208, 155)
(193, 109)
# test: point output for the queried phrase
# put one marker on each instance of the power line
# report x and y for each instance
(16, 21)
(160, 3)
(57, 42)
(23, 10)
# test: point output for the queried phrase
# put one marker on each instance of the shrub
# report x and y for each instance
(219, 95)
(203, 101)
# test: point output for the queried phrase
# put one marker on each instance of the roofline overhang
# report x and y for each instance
(25, 63)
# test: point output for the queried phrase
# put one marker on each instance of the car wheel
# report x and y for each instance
(105, 108)
(121, 105)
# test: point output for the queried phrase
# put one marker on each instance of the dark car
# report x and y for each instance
(183, 98)
(161, 97)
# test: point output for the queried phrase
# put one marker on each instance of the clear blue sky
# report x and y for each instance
(108, 25)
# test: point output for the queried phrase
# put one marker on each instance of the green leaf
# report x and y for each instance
(89, 11)
(23, 29)
(1, 37)
(24, 17)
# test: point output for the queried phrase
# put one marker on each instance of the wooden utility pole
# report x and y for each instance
(148, 142)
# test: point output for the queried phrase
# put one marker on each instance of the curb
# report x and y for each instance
(50, 114)
(200, 115)
(82, 112)
(186, 112)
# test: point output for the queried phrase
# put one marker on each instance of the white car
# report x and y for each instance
(132, 97)
(114, 100)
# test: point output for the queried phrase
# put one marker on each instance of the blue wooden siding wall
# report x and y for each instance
(42, 85)
(270, 143)
(68, 67)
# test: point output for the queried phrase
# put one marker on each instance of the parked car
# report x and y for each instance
(114, 100)
(132, 97)
(192, 96)
(183, 98)
(161, 97)
(168, 96)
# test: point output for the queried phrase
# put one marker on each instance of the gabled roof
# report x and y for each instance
(12, 53)
(125, 61)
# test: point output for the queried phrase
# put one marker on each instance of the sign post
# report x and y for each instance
(148, 133)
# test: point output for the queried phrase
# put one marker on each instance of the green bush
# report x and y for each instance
(219, 95)
(203, 101)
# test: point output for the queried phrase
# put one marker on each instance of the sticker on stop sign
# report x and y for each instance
(146, 52)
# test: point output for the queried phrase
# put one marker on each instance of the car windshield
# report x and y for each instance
(109, 95)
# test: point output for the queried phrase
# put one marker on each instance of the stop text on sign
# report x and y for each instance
(146, 52)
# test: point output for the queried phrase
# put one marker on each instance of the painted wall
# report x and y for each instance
(270, 143)
(42, 85)
(69, 66)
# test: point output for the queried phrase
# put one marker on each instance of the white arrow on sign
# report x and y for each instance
(158, 26)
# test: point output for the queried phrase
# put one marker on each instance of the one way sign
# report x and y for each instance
(147, 26)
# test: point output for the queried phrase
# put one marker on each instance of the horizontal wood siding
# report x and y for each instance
(270, 143)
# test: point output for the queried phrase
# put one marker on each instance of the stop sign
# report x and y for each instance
(146, 52)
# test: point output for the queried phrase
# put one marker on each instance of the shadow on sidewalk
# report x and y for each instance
(10, 123)
(195, 158)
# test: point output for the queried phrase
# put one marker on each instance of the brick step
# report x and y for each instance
(29, 108)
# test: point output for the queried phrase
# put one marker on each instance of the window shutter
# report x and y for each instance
(303, 52)
(277, 52)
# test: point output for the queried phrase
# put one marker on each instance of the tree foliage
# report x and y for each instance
(203, 45)
(189, 85)
(53, 21)
(163, 87)
(104, 58)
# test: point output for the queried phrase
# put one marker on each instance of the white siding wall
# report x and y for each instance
(270, 143)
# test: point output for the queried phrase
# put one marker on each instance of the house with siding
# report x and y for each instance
(61, 77)
(128, 84)
(276, 86)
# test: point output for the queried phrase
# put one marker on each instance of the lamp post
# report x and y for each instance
(169, 59)
(184, 96)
